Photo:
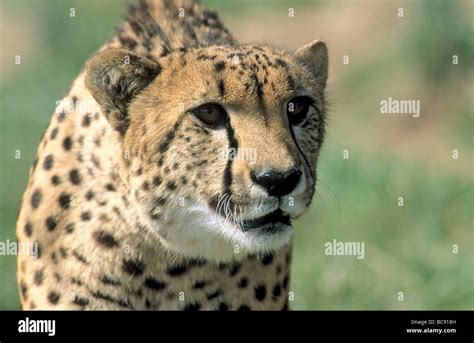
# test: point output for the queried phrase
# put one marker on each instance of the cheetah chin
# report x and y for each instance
(229, 232)
(221, 238)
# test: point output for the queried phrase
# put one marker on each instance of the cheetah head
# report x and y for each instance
(220, 143)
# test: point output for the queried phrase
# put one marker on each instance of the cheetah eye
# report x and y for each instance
(297, 109)
(211, 115)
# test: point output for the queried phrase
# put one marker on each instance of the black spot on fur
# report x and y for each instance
(89, 195)
(70, 228)
(213, 295)
(55, 180)
(160, 201)
(80, 257)
(177, 270)
(36, 198)
(53, 297)
(260, 292)
(235, 269)
(219, 66)
(103, 296)
(86, 120)
(85, 216)
(65, 200)
(80, 301)
(110, 187)
(171, 186)
(267, 259)
(28, 228)
(75, 177)
(154, 284)
(105, 239)
(132, 267)
(67, 143)
(243, 282)
(199, 284)
(107, 280)
(276, 291)
(285, 282)
(38, 277)
(51, 223)
(157, 181)
(54, 133)
(24, 290)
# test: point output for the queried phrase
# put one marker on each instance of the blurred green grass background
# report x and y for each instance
(407, 249)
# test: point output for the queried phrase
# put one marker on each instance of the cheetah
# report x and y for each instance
(170, 173)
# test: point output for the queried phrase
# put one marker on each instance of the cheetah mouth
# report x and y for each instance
(271, 219)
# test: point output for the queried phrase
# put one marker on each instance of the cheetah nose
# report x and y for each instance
(275, 182)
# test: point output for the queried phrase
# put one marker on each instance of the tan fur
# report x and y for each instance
(114, 218)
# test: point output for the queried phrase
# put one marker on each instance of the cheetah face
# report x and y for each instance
(222, 142)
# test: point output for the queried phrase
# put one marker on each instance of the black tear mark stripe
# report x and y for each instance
(301, 152)
(233, 146)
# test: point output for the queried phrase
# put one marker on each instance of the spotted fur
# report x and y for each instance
(131, 201)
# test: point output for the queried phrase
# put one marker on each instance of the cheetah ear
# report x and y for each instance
(314, 56)
(114, 77)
